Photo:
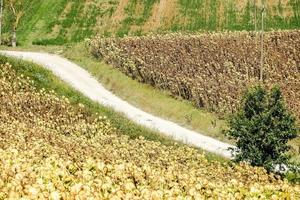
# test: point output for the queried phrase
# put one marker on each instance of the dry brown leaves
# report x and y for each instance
(211, 70)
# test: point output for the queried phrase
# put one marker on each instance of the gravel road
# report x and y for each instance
(82, 81)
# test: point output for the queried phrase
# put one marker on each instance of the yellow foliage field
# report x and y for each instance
(50, 148)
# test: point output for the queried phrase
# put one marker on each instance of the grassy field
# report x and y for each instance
(50, 22)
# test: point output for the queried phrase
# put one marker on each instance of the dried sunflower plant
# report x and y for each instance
(212, 70)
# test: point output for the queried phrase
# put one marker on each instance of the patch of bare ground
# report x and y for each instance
(107, 22)
(113, 23)
(119, 14)
(163, 13)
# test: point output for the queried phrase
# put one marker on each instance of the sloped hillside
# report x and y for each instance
(53, 149)
(62, 21)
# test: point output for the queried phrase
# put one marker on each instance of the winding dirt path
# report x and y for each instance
(82, 81)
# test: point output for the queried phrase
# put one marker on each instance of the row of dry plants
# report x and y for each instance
(212, 70)
(53, 149)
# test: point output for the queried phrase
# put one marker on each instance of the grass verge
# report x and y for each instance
(149, 99)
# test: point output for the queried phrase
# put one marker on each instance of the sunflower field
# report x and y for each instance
(212, 70)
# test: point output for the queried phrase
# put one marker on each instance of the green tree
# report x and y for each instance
(262, 128)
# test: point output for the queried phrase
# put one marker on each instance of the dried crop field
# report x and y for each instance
(212, 70)
(53, 149)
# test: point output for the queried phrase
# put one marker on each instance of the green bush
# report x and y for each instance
(293, 177)
(262, 128)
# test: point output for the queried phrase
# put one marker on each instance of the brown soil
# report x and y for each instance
(162, 14)
(119, 14)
